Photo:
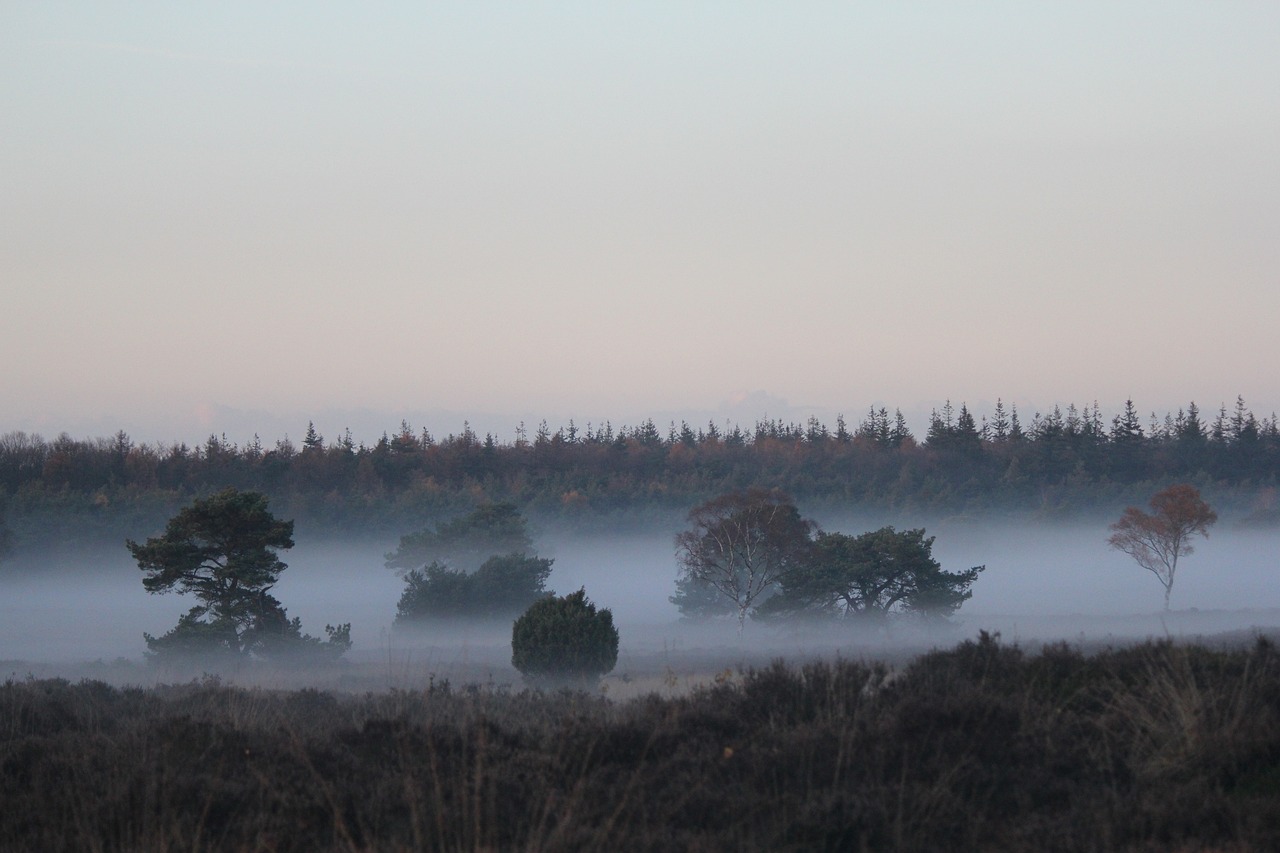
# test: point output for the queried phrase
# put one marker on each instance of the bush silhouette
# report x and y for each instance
(564, 638)
(504, 586)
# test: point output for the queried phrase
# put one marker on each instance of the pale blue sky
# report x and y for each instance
(615, 210)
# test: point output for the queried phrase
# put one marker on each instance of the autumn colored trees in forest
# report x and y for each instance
(1053, 462)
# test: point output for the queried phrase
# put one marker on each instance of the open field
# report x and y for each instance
(1042, 581)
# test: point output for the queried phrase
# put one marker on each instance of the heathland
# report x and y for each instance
(860, 739)
(1151, 747)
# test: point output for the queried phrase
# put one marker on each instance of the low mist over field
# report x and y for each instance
(1042, 582)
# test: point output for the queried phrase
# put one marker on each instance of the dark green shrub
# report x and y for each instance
(502, 587)
(698, 600)
(272, 636)
(193, 639)
(564, 638)
(279, 638)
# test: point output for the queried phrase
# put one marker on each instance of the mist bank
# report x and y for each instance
(1043, 582)
(37, 535)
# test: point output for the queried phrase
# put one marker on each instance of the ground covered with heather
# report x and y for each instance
(1152, 746)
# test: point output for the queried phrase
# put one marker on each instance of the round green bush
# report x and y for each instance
(564, 637)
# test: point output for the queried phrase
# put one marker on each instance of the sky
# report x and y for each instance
(239, 217)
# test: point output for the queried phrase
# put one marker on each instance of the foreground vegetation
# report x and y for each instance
(981, 747)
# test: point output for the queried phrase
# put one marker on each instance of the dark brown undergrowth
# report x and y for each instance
(1151, 747)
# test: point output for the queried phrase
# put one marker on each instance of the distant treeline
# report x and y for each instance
(1056, 462)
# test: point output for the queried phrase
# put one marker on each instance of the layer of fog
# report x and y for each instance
(1042, 582)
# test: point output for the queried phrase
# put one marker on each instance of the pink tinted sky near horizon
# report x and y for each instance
(223, 217)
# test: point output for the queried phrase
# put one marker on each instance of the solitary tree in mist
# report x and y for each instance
(873, 575)
(742, 545)
(223, 551)
(1155, 541)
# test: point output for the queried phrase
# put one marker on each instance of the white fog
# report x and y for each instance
(1042, 582)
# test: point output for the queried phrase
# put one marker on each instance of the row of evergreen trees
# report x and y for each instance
(1070, 454)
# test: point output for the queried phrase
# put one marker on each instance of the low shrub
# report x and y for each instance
(564, 638)
(502, 587)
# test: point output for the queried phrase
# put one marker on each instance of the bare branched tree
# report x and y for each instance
(742, 544)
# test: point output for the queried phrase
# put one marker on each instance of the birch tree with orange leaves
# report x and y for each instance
(1157, 539)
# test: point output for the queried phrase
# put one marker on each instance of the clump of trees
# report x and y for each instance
(564, 639)
(479, 565)
(503, 585)
(223, 551)
(750, 552)
(1157, 539)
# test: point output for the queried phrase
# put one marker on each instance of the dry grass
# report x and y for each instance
(983, 746)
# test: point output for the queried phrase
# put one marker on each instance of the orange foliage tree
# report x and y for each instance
(1155, 541)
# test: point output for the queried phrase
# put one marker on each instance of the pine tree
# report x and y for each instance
(1000, 423)
(312, 441)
